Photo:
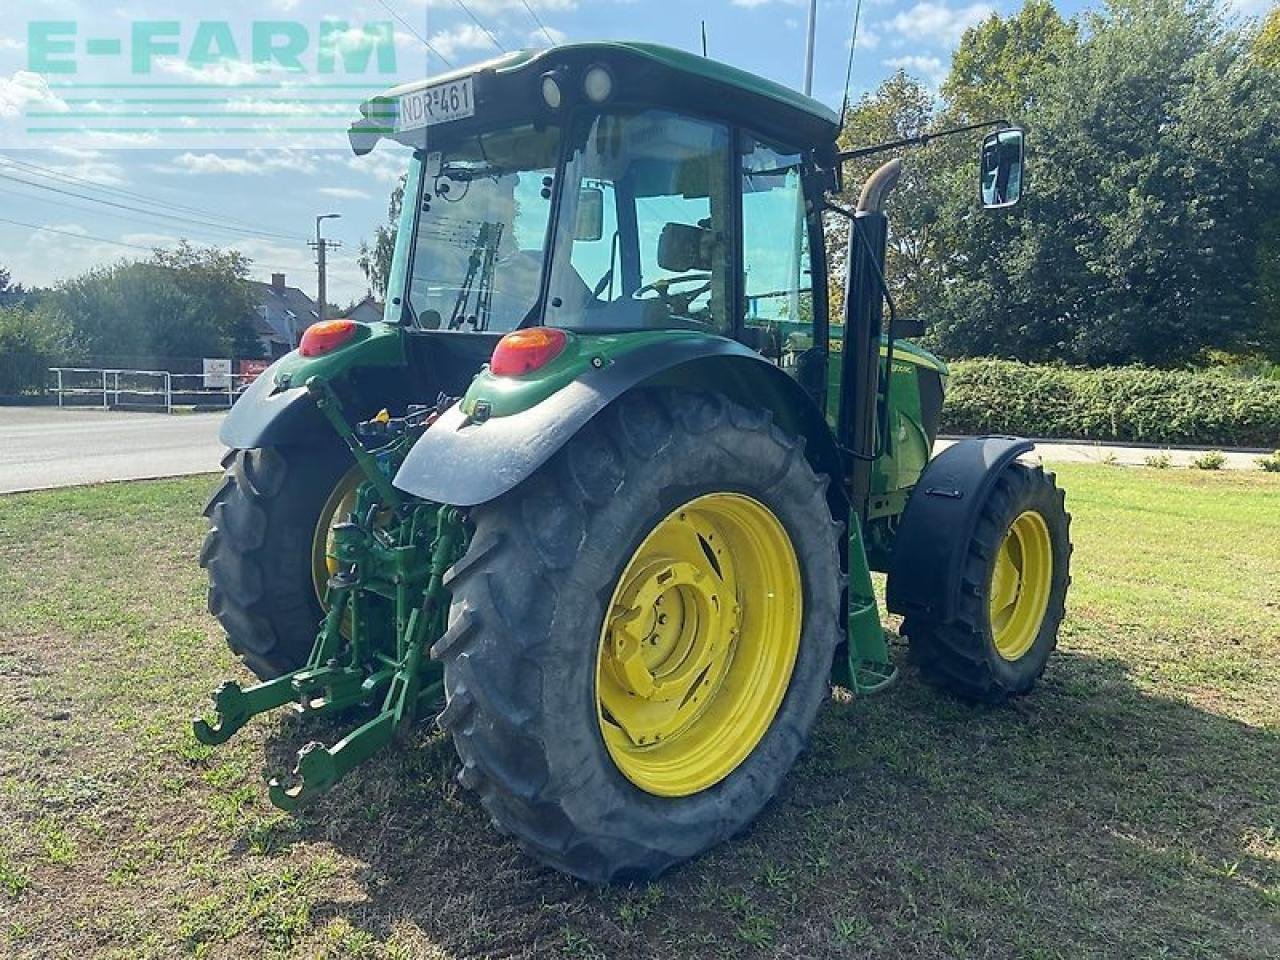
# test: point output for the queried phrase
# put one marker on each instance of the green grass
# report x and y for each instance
(1129, 808)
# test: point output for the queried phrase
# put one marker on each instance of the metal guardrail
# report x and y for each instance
(146, 389)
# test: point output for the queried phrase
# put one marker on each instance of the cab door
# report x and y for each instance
(778, 317)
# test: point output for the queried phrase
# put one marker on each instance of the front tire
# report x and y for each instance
(1012, 594)
(533, 691)
(269, 521)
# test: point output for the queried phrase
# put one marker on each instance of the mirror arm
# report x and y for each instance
(919, 140)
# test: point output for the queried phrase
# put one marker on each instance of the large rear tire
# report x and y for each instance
(1012, 595)
(269, 522)
(555, 650)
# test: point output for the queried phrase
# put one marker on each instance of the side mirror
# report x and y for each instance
(590, 225)
(1001, 164)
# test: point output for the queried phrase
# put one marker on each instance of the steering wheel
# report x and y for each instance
(676, 303)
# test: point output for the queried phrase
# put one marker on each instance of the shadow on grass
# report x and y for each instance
(1089, 819)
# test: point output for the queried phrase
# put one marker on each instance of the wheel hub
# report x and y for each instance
(698, 644)
(1020, 579)
(672, 638)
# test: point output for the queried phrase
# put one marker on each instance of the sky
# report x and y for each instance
(86, 158)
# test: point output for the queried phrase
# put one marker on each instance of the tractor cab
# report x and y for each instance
(605, 188)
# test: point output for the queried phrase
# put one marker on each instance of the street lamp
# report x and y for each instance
(321, 246)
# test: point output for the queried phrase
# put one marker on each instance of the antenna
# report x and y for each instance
(848, 70)
(811, 30)
(704, 38)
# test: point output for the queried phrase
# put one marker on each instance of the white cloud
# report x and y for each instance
(386, 165)
(464, 37)
(297, 263)
(83, 164)
(42, 258)
(316, 109)
(9, 43)
(868, 39)
(357, 39)
(495, 6)
(930, 69)
(1249, 8)
(252, 162)
(205, 163)
(938, 23)
(227, 73)
(344, 193)
(539, 39)
(26, 90)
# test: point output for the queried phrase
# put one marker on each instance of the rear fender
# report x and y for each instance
(462, 462)
(277, 410)
(938, 524)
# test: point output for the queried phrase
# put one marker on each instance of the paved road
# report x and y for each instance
(1060, 452)
(43, 447)
(46, 447)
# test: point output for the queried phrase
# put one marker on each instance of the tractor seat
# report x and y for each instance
(685, 247)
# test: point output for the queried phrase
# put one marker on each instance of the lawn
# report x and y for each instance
(1129, 808)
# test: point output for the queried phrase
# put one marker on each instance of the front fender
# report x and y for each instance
(462, 462)
(939, 521)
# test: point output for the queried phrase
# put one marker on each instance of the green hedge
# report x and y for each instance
(1118, 403)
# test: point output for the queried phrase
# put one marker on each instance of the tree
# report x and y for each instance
(1001, 66)
(375, 260)
(29, 345)
(1156, 160)
(8, 289)
(216, 286)
(900, 107)
(186, 302)
(1266, 46)
(1266, 51)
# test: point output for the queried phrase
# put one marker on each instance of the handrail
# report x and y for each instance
(110, 387)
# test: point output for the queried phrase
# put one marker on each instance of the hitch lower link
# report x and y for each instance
(386, 605)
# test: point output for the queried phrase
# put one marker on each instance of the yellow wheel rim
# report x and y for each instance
(698, 644)
(1020, 580)
(335, 510)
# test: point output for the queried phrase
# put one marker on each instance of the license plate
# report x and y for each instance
(439, 104)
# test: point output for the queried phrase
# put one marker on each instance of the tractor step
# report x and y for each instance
(868, 668)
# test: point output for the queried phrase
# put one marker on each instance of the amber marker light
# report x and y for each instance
(524, 351)
(325, 337)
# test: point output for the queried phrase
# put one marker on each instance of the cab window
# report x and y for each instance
(669, 259)
(777, 275)
(778, 316)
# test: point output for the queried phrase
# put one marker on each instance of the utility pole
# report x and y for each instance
(811, 30)
(322, 247)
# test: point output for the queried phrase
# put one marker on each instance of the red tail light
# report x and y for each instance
(322, 338)
(523, 351)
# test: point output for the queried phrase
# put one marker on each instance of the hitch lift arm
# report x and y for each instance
(391, 553)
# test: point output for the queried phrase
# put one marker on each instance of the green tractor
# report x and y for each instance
(609, 480)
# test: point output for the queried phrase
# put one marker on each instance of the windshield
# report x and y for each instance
(481, 237)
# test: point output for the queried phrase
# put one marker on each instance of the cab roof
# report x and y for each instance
(648, 74)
